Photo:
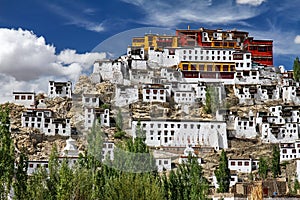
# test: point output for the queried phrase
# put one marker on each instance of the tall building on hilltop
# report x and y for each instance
(261, 50)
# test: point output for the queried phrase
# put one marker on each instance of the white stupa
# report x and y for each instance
(70, 149)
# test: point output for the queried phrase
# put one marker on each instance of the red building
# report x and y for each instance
(261, 50)
(211, 38)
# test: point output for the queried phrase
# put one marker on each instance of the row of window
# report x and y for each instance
(23, 97)
(183, 94)
(154, 98)
(207, 52)
(155, 91)
(185, 126)
(222, 67)
(245, 123)
(239, 163)
(293, 151)
(45, 165)
(87, 100)
(242, 65)
(207, 58)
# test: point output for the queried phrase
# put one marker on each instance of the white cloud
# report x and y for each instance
(27, 63)
(70, 56)
(250, 2)
(74, 18)
(297, 39)
(163, 13)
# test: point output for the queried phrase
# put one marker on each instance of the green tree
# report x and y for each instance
(119, 134)
(95, 143)
(187, 182)
(296, 185)
(223, 173)
(263, 168)
(296, 69)
(53, 180)
(37, 185)
(20, 182)
(7, 157)
(212, 101)
(65, 184)
(275, 167)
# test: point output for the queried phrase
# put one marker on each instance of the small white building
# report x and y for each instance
(167, 57)
(289, 151)
(108, 151)
(125, 95)
(184, 93)
(92, 114)
(246, 165)
(163, 160)
(141, 76)
(60, 89)
(291, 94)
(242, 92)
(44, 120)
(34, 165)
(108, 70)
(154, 93)
(91, 100)
(242, 61)
(137, 53)
(27, 99)
(245, 127)
(276, 133)
(171, 74)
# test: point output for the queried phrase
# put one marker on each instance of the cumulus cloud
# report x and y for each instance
(297, 39)
(250, 2)
(70, 56)
(27, 63)
(163, 13)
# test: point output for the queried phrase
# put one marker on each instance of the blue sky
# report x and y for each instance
(64, 31)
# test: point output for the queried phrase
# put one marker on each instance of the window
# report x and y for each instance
(23, 97)
(29, 97)
(240, 163)
(284, 151)
(17, 97)
(232, 163)
(30, 165)
(246, 163)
